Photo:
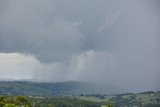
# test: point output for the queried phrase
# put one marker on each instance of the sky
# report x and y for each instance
(116, 42)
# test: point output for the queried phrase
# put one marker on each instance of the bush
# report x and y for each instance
(10, 105)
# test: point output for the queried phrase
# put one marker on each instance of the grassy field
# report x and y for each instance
(139, 98)
(90, 98)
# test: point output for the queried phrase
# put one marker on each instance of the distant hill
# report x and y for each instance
(58, 88)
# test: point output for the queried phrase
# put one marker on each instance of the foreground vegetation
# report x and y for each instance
(146, 99)
(18, 101)
(22, 101)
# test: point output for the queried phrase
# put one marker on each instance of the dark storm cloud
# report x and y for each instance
(28, 28)
(118, 41)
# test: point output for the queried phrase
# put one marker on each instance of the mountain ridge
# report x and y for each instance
(55, 88)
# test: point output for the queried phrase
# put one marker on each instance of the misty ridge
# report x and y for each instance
(116, 43)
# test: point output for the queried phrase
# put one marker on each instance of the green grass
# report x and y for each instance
(91, 99)
(126, 96)
(10, 105)
(143, 98)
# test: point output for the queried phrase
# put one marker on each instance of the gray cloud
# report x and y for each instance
(29, 28)
(125, 51)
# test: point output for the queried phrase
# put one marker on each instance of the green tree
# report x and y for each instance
(22, 101)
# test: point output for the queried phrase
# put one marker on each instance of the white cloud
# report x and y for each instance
(16, 66)
(21, 66)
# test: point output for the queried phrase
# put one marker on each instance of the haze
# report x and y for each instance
(115, 42)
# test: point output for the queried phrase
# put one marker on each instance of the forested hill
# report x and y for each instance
(58, 88)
